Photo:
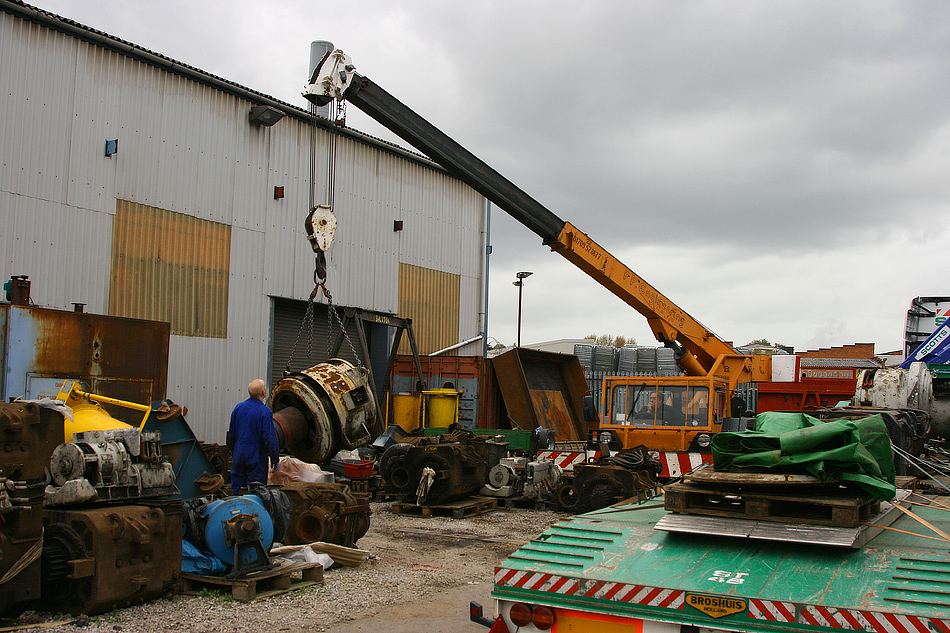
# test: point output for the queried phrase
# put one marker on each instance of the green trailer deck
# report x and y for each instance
(610, 569)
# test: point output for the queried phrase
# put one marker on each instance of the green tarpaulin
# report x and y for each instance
(855, 451)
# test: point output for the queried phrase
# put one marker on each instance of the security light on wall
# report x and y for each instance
(264, 115)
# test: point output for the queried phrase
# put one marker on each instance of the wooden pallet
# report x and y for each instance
(473, 506)
(259, 584)
(524, 502)
(812, 506)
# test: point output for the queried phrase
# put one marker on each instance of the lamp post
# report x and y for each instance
(520, 283)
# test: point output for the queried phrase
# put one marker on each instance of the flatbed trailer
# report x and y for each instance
(611, 570)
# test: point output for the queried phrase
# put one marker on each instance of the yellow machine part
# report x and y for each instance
(91, 417)
(88, 415)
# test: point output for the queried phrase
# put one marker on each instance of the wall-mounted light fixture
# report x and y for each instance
(278, 192)
(264, 115)
(397, 226)
(112, 146)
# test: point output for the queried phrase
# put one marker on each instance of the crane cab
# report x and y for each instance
(670, 415)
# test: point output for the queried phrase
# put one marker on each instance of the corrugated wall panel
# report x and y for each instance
(431, 299)
(199, 378)
(173, 267)
(91, 180)
(137, 178)
(211, 376)
(37, 100)
(64, 251)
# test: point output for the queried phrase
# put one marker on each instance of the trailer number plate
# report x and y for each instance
(716, 606)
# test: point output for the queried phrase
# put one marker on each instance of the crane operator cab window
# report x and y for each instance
(660, 405)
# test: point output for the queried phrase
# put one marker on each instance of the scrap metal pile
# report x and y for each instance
(435, 469)
(97, 522)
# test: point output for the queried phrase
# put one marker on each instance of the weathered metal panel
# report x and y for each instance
(170, 266)
(120, 358)
(543, 389)
(431, 299)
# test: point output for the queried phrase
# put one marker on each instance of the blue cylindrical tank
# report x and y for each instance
(216, 515)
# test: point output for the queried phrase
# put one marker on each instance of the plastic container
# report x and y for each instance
(443, 407)
(352, 468)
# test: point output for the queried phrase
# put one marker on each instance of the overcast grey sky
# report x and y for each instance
(778, 169)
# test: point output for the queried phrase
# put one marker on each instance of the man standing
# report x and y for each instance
(252, 439)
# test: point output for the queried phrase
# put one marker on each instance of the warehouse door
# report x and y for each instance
(288, 331)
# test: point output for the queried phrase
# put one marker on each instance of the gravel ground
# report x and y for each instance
(410, 556)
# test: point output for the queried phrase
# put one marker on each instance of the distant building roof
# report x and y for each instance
(853, 363)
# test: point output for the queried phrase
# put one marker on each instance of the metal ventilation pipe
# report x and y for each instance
(319, 49)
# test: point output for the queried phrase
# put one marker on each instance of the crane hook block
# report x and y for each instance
(321, 227)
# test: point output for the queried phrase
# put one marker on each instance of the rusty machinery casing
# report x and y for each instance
(98, 559)
(325, 409)
(331, 513)
(459, 469)
(118, 464)
(28, 435)
(630, 473)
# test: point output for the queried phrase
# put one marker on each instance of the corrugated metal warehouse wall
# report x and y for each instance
(107, 231)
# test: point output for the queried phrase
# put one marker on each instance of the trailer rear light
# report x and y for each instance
(543, 618)
(520, 614)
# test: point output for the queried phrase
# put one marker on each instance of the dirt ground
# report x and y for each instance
(420, 574)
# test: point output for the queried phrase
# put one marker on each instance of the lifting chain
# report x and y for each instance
(320, 262)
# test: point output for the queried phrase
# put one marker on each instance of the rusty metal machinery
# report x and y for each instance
(97, 559)
(323, 410)
(29, 433)
(630, 473)
(518, 477)
(438, 472)
(331, 513)
(118, 464)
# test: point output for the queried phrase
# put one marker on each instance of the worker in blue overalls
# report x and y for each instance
(252, 439)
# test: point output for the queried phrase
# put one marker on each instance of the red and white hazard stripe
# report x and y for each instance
(679, 464)
(618, 592)
(565, 460)
(772, 610)
(853, 620)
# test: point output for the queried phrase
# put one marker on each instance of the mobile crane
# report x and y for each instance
(615, 569)
(689, 409)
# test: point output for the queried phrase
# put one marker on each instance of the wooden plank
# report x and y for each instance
(749, 477)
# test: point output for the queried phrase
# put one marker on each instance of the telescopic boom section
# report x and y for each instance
(701, 352)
